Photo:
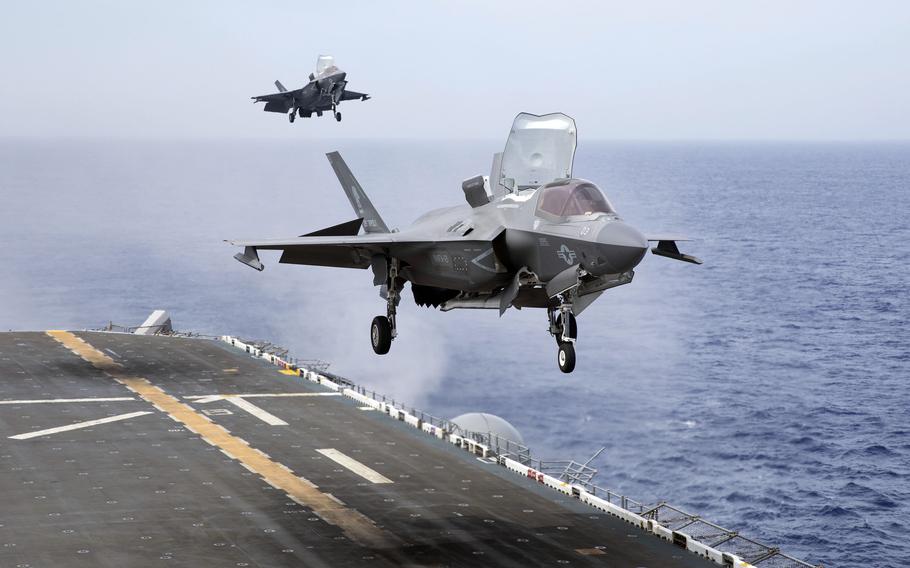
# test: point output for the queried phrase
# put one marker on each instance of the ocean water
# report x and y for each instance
(766, 390)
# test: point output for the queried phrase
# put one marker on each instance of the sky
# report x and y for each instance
(697, 70)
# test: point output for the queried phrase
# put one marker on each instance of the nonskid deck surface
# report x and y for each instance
(124, 450)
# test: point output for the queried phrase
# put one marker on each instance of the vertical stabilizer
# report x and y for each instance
(372, 222)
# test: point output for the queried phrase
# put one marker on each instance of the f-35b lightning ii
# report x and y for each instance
(327, 88)
(530, 236)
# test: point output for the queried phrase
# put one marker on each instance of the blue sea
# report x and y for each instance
(766, 390)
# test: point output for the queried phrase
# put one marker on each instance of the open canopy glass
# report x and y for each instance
(540, 149)
(325, 65)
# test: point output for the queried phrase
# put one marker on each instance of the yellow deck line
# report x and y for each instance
(355, 525)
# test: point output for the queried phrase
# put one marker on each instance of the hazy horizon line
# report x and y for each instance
(582, 140)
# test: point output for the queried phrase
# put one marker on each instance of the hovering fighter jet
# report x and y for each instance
(530, 236)
(327, 88)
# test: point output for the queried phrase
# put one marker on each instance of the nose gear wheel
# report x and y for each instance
(564, 329)
(566, 357)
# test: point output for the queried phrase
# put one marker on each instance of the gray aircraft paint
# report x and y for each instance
(372, 222)
(325, 91)
(512, 251)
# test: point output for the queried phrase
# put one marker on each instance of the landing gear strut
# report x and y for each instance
(383, 329)
(564, 328)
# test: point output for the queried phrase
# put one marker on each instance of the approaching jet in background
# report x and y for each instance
(530, 236)
(327, 88)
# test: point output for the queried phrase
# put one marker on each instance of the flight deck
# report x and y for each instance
(128, 450)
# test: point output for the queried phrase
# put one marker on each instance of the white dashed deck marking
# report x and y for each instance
(259, 413)
(206, 399)
(213, 397)
(355, 466)
(239, 401)
(79, 425)
(61, 400)
(355, 525)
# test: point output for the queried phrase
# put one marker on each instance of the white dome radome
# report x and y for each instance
(482, 422)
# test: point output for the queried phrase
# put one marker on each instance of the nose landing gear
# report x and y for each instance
(564, 328)
(566, 357)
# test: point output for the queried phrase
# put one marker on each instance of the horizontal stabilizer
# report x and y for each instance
(670, 250)
(346, 229)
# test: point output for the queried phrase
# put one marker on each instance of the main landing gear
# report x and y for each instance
(336, 113)
(383, 329)
(292, 116)
(381, 334)
(564, 328)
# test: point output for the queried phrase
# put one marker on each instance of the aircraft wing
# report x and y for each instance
(283, 96)
(278, 102)
(354, 251)
(353, 95)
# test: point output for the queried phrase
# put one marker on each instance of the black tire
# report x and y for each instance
(566, 357)
(338, 116)
(381, 335)
(573, 327)
(292, 116)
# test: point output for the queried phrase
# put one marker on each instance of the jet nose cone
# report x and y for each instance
(619, 234)
(623, 246)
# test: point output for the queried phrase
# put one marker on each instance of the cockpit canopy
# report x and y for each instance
(566, 198)
(539, 149)
(325, 65)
